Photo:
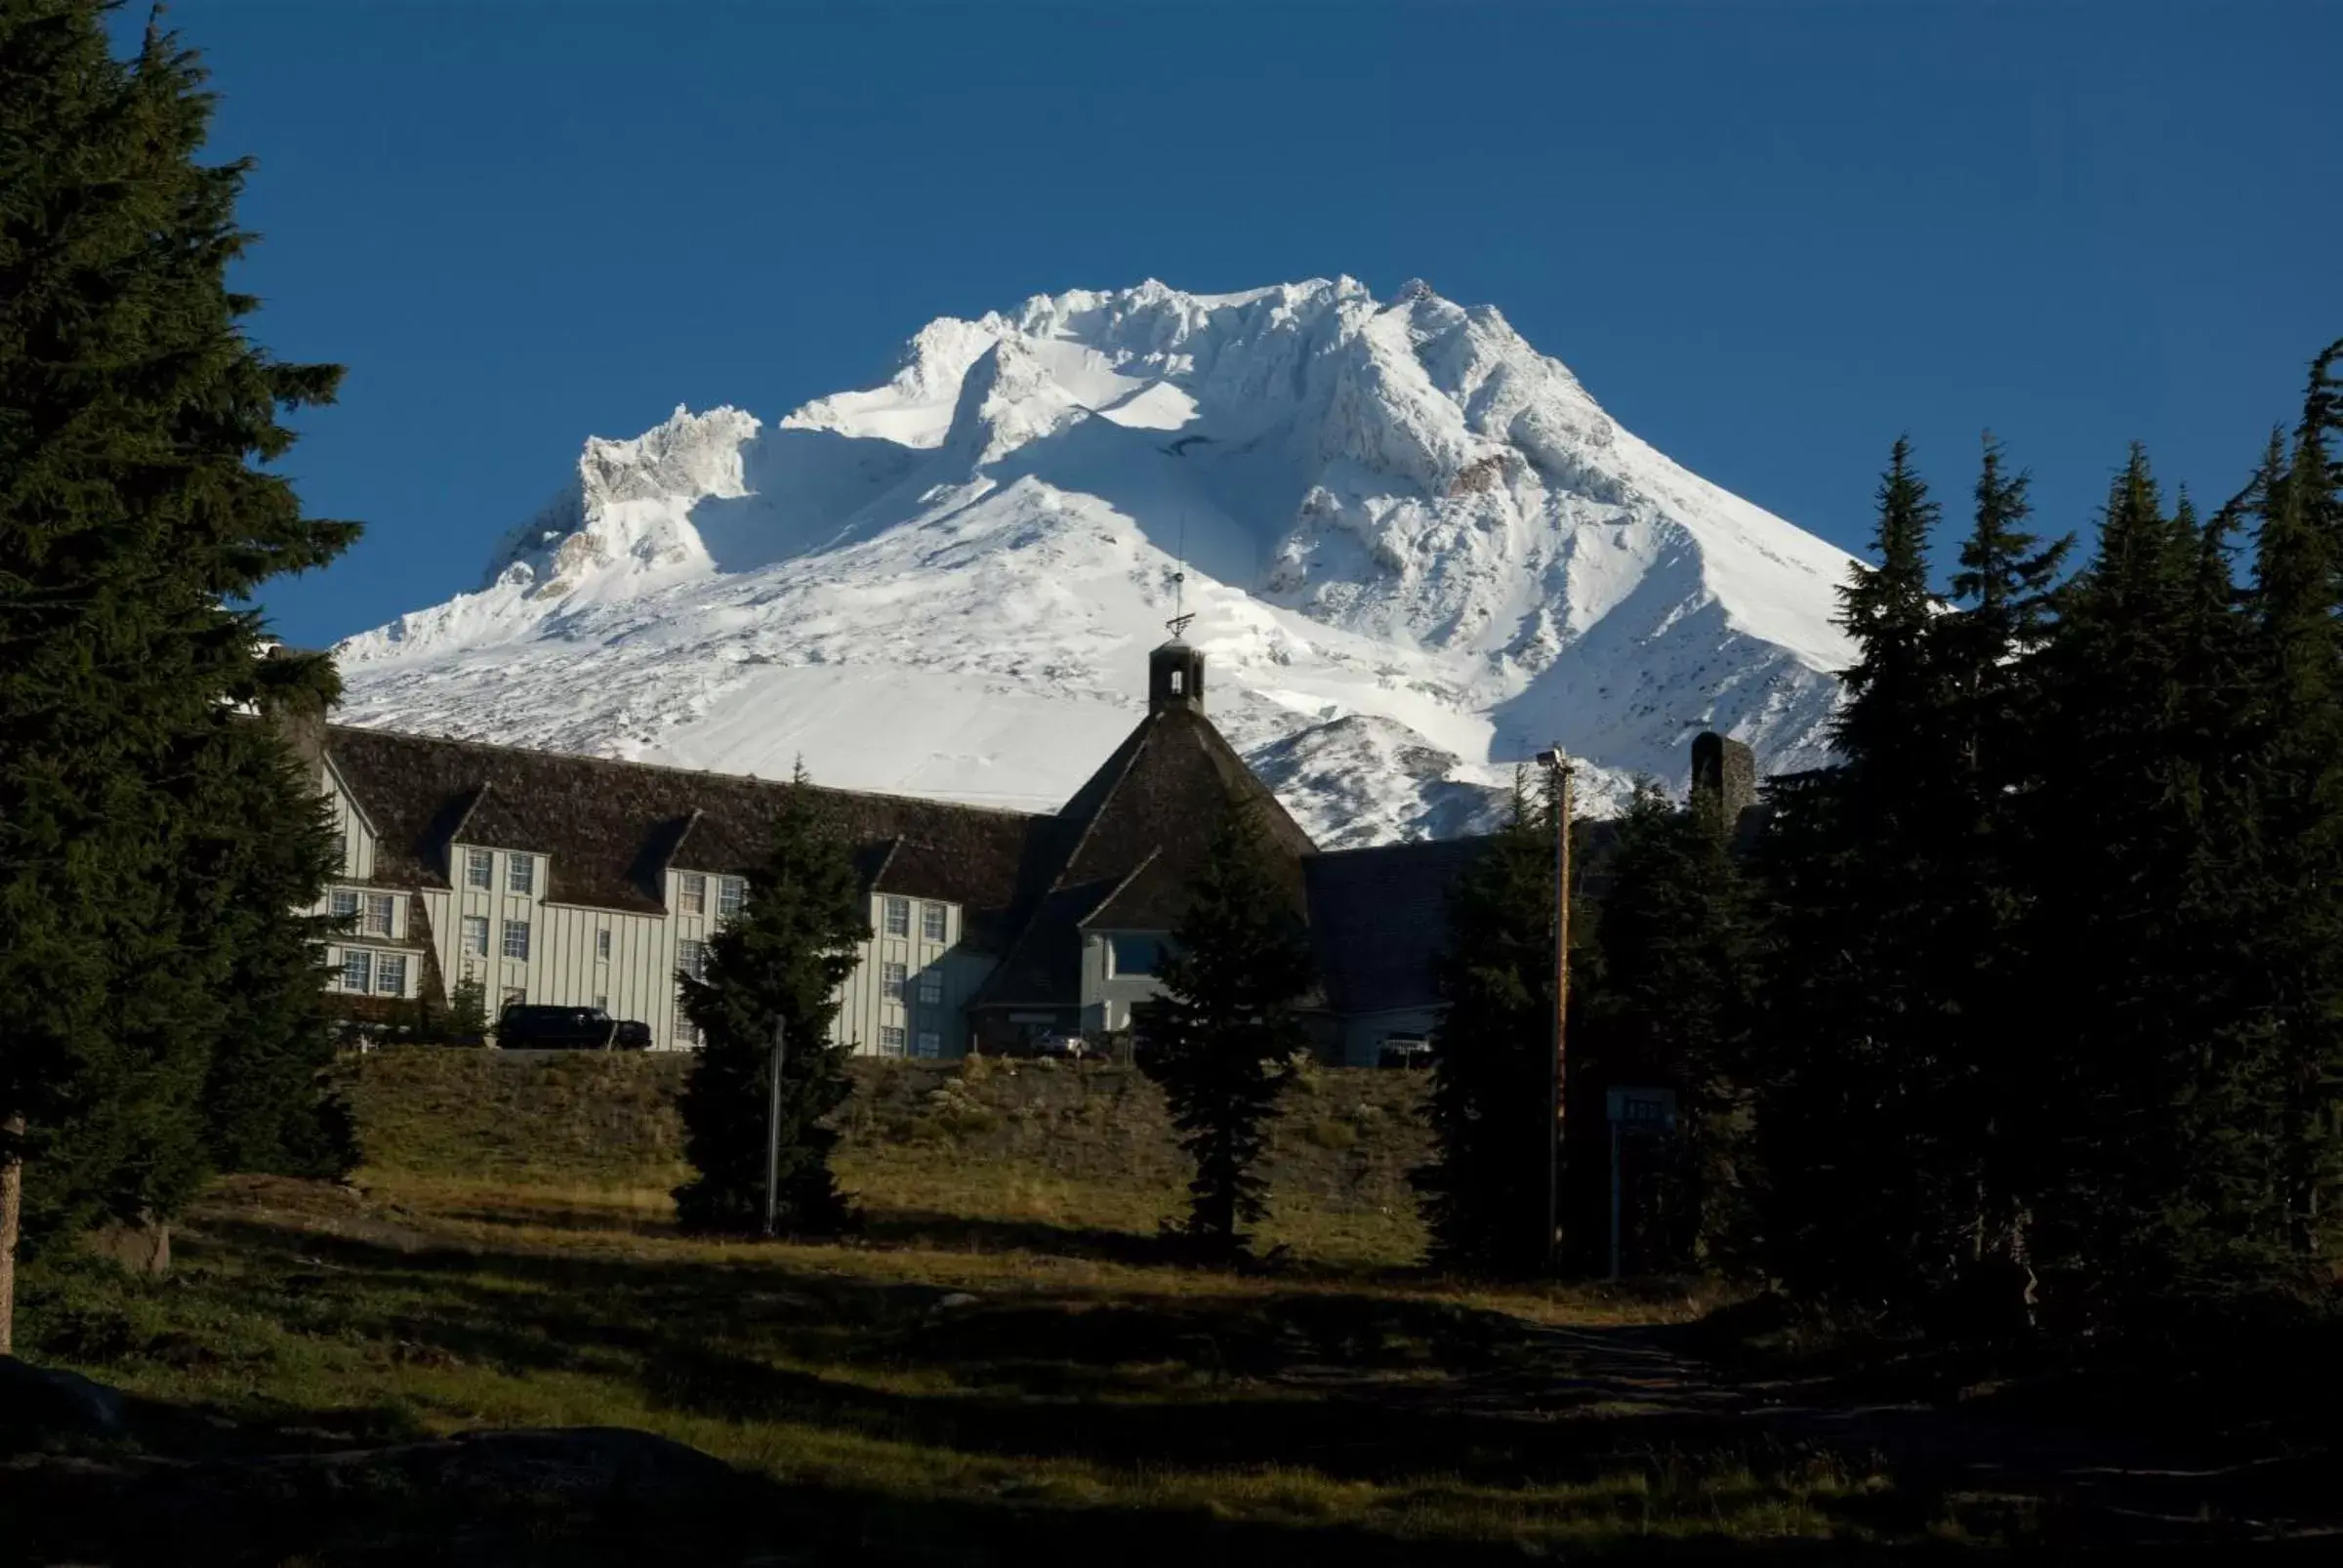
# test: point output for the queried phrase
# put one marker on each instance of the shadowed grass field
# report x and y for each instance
(1006, 1366)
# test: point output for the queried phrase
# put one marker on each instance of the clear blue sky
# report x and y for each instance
(1767, 236)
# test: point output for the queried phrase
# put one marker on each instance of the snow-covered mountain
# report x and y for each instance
(1415, 547)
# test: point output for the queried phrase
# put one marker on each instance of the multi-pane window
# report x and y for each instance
(357, 969)
(890, 1040)
(476, 936)
(931, 923)
(692, 959)
(728, 894)
(344, 903)
(930, 1044)
(692, 894)
(601, 944)
(898, 917)
(891, 981)
(686, 1031)
(391, 973)
(931, 987)
(520, 874)
(516, 938)
(380, 911)
(479, 869)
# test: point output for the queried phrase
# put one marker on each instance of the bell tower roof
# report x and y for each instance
(1175, 678)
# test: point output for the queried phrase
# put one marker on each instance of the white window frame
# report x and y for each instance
(931, 988)
(691, 957)
(358, 962)
(602, 945)
(895, 916)
(345, 903)
(934, 923)
(928, 1045)
(892, 978)
(730, 894)
(479, 869)
(391, 973)
(691, 892)
(891, 1040)
(507, 944)
(382, 915)
(520, 874)
(473, 936)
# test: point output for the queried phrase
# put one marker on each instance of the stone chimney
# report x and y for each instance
(1175, 678)
(1726, 772)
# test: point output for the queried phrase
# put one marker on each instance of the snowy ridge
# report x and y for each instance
(1415, 547)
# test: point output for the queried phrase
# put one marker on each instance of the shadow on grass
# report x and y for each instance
(1421, 1396)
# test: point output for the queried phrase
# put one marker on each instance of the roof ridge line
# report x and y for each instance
(1116, 891)
(668, 768)
(1105, 798)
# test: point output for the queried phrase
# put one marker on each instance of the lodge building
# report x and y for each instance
(585, 882)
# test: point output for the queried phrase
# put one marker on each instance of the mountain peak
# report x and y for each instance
(1397, 520)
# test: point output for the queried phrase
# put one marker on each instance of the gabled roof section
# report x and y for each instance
(1127, 847)
(613, 829)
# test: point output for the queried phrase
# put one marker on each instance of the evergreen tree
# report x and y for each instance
(1221, 1035)
(780, 963)
(1671, 1002)
(467, 1011)
(137, 421)
(2005, 593)
(1484, 1192)
(267, 1104)
(1873, 1176)
(2134, 911)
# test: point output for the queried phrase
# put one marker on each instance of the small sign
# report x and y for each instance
(1642, 1110)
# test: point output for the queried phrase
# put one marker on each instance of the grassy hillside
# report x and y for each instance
(999, 1142)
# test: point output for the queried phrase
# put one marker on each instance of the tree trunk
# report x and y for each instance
(12, 1209)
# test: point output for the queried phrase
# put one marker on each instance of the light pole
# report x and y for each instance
(1558, 770)
(773, 1124)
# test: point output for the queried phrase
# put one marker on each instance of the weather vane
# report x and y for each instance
(1179, 581)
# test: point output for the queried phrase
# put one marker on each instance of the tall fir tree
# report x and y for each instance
(778, 964)
(2296, 777)
(1870, 1175)
(268, 1101)
(2004, 595)
(1484, 1192)
(1221, 1035)
(2134, 915)
(137, 424)
(1671, 1002)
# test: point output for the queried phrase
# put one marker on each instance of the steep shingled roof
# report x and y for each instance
(1378, 918)
(612, 829)
(1127, 847)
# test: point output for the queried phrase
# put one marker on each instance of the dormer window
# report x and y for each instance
(898, 917)
(692, 894)
(520, 874)
(479, 869)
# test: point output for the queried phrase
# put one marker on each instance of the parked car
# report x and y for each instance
(538, 1027)
(632, 1034)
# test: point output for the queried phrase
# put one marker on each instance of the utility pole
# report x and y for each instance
(1558, 770)
(772, 1126)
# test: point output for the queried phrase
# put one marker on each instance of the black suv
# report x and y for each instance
(536, 1026)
